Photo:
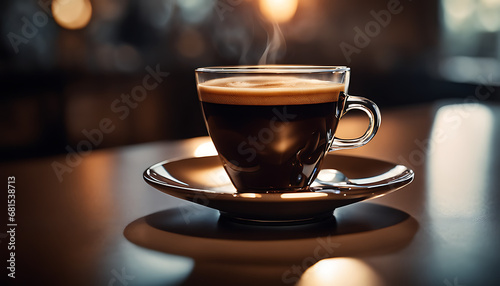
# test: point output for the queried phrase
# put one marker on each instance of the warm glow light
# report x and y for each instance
(205, 149)
(278, 11)
(340, 271)
(213, 178)
(302, 195)
(72, 14)
(249, 195)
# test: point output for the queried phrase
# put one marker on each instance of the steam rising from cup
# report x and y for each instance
(276, 46)
(276, 11)
(239, 38)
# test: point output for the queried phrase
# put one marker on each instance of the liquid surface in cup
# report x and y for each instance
(271, 132)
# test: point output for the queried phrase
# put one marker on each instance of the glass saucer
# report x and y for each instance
(202, 180)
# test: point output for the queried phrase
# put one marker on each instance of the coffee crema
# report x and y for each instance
(269, 90)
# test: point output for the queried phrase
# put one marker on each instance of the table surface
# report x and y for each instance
(442, 229)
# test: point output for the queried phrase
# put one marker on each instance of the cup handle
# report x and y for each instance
(371, 109)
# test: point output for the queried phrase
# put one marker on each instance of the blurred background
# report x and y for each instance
(121, 72)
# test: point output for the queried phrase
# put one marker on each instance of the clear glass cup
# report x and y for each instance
(273, 125)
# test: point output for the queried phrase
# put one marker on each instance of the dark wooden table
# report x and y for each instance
(443, 229)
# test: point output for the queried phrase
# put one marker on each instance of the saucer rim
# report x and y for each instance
(155, 183)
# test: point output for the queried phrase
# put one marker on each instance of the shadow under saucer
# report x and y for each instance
(202, 234)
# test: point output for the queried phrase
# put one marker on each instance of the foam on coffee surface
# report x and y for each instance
(269, 90)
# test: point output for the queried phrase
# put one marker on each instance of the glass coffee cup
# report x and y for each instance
(273, 125)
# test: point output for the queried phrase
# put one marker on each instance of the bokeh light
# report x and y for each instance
(278, 11)
(72, 14)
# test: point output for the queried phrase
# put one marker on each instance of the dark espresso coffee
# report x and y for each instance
(271, 132)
